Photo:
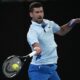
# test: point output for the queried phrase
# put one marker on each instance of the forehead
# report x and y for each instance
(38, 9)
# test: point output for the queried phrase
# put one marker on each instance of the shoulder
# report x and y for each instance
(32, 30)
(49, 21)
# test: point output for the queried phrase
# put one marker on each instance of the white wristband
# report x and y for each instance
(32, 54)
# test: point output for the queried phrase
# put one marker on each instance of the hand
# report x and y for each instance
(73, 22)
(38, 50)
(77, 20)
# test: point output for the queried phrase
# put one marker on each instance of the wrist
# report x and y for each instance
(72, 23)
(37, 49)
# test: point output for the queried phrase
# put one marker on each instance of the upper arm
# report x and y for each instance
(32, 37)
(55, 27)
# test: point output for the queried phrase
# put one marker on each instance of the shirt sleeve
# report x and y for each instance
(55, 27)
(32, 37)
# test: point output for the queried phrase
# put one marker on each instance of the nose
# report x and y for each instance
(39, 14)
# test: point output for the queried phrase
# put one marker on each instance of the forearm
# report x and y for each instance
(68, 26)
(65, 29)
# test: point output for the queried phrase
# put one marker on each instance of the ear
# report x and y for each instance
(31, 14)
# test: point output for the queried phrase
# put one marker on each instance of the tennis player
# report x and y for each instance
(40, 37)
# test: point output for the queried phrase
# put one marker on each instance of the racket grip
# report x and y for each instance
(32, 53)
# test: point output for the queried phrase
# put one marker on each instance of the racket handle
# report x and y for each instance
(32, 53)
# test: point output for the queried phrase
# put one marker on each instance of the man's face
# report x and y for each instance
(37, 14)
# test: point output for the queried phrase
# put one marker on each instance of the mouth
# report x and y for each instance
(40, 17)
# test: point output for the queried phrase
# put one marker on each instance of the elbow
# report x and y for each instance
(61, 34)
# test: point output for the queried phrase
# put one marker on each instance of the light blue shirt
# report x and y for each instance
(45, 37)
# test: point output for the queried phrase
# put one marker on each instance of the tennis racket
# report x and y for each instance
(14, 59)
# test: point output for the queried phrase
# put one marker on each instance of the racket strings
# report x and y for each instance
(7, 66)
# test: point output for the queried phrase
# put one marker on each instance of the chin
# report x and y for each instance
(40, 21)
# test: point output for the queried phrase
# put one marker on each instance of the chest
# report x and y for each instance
(45, 34)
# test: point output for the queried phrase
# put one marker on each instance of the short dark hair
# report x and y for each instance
(34, 5)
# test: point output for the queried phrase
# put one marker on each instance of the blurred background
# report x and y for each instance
(15, 23)
(22, 0)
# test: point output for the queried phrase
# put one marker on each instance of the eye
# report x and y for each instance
(37, 11)
(41, 11)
